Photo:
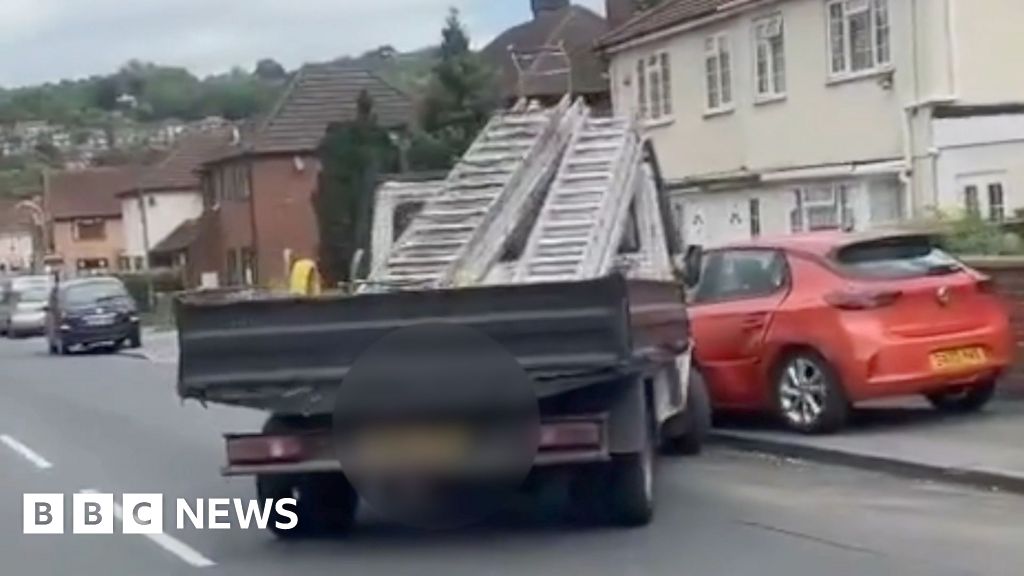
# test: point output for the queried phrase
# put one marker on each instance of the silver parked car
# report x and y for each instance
(26, 309)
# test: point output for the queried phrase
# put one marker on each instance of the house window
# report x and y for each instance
(138, 263)
(859, 35)
(770, 67)
(822, 207)
(718, 71)
(90, 230)
(971, 205)
(124, 263)
(151, 201)
(654, 86)
(755, 217)
(996, 206)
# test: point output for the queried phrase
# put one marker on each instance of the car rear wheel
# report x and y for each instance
(809, 396)
(963, 400)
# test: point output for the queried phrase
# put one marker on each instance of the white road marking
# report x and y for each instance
(26, 452)
(183, 551)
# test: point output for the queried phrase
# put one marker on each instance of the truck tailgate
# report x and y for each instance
(288, 355)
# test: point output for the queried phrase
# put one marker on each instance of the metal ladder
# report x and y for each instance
(582, 221)
(461, 232)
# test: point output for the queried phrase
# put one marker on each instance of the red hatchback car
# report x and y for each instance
(808, 325)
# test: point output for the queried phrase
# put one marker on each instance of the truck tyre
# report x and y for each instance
(326, 503)
(686, 435)
(620, 492)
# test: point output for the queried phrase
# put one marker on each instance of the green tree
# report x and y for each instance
(270, 70)
(352, 155)
(461, 95)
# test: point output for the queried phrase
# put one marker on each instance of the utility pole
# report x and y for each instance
(147, 272)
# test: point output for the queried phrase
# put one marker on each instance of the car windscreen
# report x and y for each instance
(896, 258)
(34, 295)
(94, 293)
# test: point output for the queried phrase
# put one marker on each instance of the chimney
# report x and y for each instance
(541, 6)
(618, 11)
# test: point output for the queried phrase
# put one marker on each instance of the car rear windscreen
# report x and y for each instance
(894, 258)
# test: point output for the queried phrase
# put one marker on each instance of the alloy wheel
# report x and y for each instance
(803, 392)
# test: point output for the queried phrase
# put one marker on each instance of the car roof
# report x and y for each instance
(19, 282)
(822, 243)
(94, 280)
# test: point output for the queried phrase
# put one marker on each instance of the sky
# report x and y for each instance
(50, 40)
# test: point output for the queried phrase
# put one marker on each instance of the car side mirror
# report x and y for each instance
(691, 266)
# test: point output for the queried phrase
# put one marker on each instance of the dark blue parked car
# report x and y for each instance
(91, 312)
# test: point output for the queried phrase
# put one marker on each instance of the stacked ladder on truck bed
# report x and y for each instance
(462, 231)
(582, 222)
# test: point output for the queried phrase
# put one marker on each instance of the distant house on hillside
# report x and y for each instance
(534, 58)
(166, 196)
(85, 215)
(16, 237)
(258, 215)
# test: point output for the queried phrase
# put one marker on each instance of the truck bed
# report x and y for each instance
(287, 355)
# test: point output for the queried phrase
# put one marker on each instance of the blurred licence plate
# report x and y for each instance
(100, 320)
(412, 447)
(959, 358)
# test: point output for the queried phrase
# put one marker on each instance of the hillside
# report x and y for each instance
(90, 113)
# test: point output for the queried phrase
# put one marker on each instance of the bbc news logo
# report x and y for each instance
(95, 513)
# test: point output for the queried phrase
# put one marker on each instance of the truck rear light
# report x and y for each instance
(566, 435)
(264, 449)
(865, 299)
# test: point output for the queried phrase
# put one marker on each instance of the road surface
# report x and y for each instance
(113, 424)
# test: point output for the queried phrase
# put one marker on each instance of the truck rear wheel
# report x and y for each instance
(620, 492)
(326, 503)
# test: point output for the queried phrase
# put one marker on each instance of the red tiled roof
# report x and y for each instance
(88, 193)
(665, 15)
(577, 27)
(319, 95)
(178, 171)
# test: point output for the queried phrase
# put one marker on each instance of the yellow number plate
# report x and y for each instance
(956, 359)
(413, 447)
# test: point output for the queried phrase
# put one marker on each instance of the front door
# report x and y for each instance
(733, 308)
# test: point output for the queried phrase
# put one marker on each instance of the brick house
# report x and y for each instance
(85, 217)
(166, 197)
(258, 214)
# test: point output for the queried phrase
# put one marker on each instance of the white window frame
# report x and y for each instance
(654, 88)
(879, 63)
(715, 46)
(841, 202)
(983, 183)
(763, 40)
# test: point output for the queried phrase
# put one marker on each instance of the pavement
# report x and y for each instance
(112, 423)
(907, 438)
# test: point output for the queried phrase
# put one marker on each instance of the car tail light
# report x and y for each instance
(865, 299)
(987, 285)
(264, 449)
